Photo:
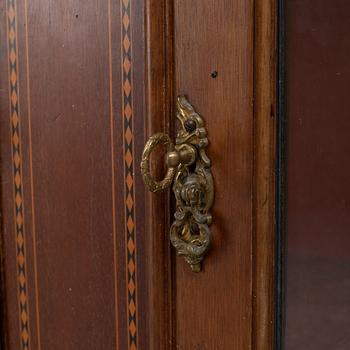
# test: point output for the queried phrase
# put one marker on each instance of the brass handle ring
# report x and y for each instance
(152, 184)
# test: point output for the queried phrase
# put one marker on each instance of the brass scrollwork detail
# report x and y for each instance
(189, 171)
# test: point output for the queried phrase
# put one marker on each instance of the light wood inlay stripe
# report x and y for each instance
(22, 285)
(129, 183)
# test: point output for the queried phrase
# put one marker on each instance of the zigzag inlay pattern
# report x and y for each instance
(129, 195)
(17, 176)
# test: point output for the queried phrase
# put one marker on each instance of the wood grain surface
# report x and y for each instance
(214, 68)
(265, 115)
(226, 64)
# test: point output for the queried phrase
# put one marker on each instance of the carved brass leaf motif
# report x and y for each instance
(189, 172)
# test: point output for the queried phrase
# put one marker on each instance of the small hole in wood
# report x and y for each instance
(214, 74)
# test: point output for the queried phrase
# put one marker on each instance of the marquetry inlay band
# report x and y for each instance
(17, 175)
(129, 183)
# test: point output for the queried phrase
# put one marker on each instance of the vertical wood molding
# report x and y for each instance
(265, 60)
(159, 102)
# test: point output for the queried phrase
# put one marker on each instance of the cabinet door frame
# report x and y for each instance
(159, 100)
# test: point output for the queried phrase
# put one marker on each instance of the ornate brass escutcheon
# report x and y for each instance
(189, 172)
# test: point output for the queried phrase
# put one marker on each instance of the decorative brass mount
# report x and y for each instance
(189, 171)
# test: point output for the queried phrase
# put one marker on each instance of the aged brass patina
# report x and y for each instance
(189, 171)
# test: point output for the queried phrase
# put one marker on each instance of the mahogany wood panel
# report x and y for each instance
(214, 67)
(72, 131)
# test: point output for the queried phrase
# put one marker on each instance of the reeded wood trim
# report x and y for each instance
(264, 173)
(159, 102)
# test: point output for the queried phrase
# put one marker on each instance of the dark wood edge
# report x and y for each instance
(159, 107)
(3, 327)
(281, 179)
(264, 228)
(3, 310)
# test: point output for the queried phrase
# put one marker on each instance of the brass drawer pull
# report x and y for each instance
(189, 171)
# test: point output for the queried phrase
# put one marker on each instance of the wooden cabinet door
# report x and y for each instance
(86, 257)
